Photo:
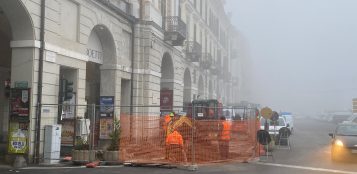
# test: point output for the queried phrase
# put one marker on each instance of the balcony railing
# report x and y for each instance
(206, 61)
(193, 51)
(175, 30)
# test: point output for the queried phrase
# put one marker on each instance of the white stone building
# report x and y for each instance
(130, 49)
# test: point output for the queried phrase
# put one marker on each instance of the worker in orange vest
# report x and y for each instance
(167, 120)
(224, 137)
(175, 148)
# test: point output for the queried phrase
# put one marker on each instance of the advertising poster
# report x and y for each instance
(17, 139)
(166, 100)
(106, 127)
(106, 106)
(67, 133)
(19, 100)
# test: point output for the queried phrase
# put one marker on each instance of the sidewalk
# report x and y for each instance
(67, 164)
(4, 166)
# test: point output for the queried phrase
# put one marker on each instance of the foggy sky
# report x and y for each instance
(299, 55)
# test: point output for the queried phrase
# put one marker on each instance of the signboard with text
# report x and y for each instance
(106, 106)
(20, 104)
(18, 143)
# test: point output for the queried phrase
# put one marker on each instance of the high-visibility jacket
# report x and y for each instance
(174, 138)
(226, 131)
(167, 120)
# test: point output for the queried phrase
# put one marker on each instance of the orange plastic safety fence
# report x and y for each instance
(143, 140)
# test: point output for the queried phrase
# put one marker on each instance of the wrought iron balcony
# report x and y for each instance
(193, 51)
(175, 30)
(206, 61)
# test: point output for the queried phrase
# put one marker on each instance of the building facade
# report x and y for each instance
(137, 51)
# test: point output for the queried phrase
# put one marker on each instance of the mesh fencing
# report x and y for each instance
(143, 138)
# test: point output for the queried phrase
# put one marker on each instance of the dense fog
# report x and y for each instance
(297, 55)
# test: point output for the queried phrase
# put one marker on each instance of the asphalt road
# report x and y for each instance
(310, 154)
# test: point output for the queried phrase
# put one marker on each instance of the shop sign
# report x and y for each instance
(95, 56)
(17, 139)
(106, 127)
(20, 102)
(21, 84)
(106, 106)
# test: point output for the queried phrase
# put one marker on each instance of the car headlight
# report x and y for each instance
(339, 143)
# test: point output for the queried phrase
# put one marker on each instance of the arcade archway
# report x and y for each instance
(166, 83)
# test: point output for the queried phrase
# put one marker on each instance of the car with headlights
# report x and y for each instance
(344, 142)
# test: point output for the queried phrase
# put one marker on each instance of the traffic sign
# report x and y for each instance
(266, 112)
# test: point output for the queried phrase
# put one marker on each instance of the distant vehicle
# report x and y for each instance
(351, 119)
(289, 120)
(344, 142)
(205, 109)
(229, 113)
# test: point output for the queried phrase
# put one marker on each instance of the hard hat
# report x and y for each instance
(172, 114)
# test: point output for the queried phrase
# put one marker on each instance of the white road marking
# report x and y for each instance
(307, 168)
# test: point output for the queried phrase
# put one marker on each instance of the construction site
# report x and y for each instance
(142, 139)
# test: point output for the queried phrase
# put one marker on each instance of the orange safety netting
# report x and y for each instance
(143, 140)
